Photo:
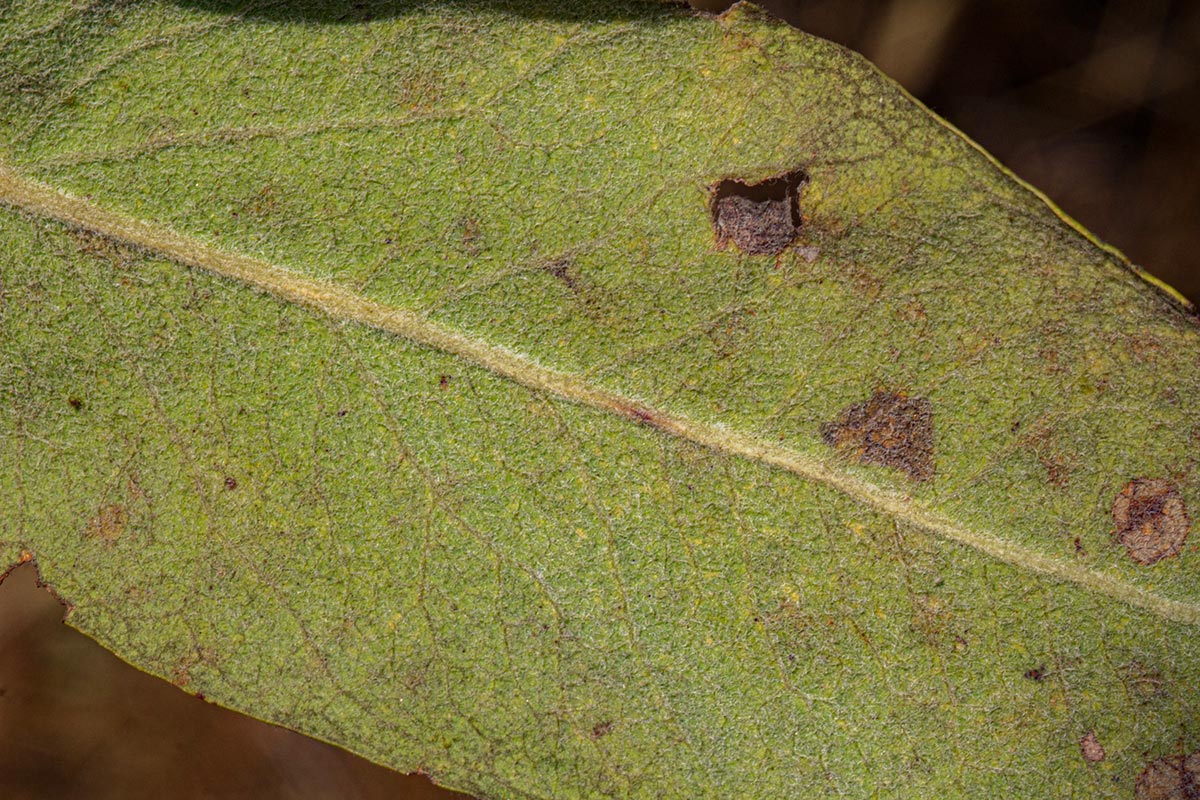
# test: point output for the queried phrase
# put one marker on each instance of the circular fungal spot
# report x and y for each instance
(1152, 522)
(1170, 778)
(1091, 748)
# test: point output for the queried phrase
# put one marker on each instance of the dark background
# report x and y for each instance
(1095, 103)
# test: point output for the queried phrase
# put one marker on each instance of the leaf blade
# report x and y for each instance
(746, 539)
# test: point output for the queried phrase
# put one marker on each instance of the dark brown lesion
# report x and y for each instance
(565, 272)
(1170, 778)
(759, 218)
(890, 429)
(1152, 521)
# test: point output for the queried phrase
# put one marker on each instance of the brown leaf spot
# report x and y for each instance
(101, 246)
(760, 218)
(1091, 748)
(1151, 519)
(1170, 778)
(891, 430)
(564, 271)
(1037, 673)
(108, 524)
(472, 235)
(1043, 441)
(601, 729)
(230, 482)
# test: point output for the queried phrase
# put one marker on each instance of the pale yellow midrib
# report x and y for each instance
(45, 201)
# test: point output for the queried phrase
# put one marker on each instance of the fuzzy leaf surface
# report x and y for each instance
(445, 380)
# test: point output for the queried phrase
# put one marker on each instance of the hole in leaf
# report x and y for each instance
(759, 218)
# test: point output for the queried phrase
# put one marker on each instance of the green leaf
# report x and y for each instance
(602, 401)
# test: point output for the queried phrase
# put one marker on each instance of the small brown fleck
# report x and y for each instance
(1091, 748)
(891, 429)
(1037, 673)
(75, 403)
(472, 235)
(564, 271)
(1170, 778)
(108, 524)
(1152, 522)
(231, 483)
(760, 218)
(601, 729)
(443, 381)
(912, 311)
(1058, 468)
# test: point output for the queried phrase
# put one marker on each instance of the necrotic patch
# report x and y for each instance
(760, 218)
(1152, 522)
(1170, 778)
(891, 429)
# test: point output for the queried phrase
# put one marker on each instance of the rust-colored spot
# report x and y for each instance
(75, 403)
(1152, 522)
(601, 729)
(1091, 748)
(1037, 673)
(891, 430)
(443, 381)
(108, 524)
(760, 218)
(1170, 778)
(231, 483)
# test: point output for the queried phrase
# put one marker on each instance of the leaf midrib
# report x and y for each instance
(47, 202)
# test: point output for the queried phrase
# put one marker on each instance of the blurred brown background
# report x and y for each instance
(1095, 103)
